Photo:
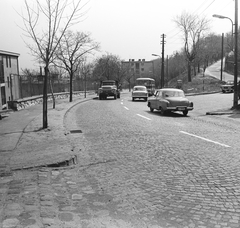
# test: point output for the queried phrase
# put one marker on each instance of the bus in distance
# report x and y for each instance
(148, 82)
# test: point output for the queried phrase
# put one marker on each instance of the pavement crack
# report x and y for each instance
(99, 163)
(65, 163)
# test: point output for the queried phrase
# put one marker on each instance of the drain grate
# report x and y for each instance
(75, 131)
(69, 162)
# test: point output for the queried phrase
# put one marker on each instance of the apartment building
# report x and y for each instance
(139, 68)
(9, 78)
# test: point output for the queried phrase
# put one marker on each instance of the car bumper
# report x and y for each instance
(140, 96)
(227, 90)
(179, 108)
(108, 93)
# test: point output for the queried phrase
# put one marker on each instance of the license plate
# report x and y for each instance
(181, 109)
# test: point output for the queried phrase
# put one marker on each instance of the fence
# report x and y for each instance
(33, 85)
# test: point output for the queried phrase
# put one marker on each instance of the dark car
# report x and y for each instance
(228, 87)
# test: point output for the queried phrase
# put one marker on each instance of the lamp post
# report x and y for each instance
(223, 17)
(235, 49)
(162, 71)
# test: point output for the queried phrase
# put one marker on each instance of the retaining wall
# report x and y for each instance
(26, 102)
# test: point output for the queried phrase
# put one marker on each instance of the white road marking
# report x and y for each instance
(126, 108)
(143, 117)
(121, 103)
(221, 144)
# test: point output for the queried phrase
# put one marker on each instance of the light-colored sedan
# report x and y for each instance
(228, 87)
(139, 92)
(169, 100)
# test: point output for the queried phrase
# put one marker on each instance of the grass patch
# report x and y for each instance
(199, 84)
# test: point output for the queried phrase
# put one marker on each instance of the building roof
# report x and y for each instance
(2, 52)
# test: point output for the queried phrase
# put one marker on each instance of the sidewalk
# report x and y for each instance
(27, 145)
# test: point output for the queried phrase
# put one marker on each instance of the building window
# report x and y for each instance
(3, 95)
(142, 69)
(10, 64)
(1, 71)
(6, 61)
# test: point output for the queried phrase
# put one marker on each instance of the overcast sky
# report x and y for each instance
(131, 29)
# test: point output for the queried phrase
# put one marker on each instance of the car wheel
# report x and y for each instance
(133, 99)
(145, 99)
(151, 109)
(185, 112)
(115, 97)
(162, 111)
(223, 91)
(100, 97)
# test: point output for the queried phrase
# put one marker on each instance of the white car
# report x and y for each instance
(139, 92)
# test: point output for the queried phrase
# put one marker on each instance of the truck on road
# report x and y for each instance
(109, 88)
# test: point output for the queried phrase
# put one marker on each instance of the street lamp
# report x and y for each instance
(162, 70)
(223, 17)
(235, 49)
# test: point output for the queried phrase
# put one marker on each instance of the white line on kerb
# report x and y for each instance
(143, 117)
(126, 108)
(221, 144)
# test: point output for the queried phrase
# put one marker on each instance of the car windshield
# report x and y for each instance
(139, 89)
(108, 83)
(173, 94)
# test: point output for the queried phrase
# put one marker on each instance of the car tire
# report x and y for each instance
(133, 99)
(100, 97)
(185, 112)
(162, 111)
(145, 99)
(151, 109)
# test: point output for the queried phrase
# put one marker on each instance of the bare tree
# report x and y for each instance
(192, 27)
(107, 67)
(71, 51)
(84, 72)
(45, 24)
(128, 74)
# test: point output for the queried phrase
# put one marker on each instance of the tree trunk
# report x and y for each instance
(45, 120)
(189, 72)
(70, 87)
(51, 87)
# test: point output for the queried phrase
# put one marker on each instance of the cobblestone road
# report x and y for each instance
(131, 172)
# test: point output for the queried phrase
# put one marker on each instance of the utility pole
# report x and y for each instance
(163, 36)
(235, 96)
(222, 58)
(167, 71)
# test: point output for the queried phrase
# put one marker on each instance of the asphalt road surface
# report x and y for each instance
(215, 71)
(161, 171)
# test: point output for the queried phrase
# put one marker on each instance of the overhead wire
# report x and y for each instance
(197, 10)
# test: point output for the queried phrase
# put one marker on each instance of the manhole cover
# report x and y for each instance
(75, 131)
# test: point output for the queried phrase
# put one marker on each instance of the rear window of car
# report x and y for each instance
(139, 89)
(173, 94)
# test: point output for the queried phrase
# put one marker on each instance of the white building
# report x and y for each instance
(9, 78)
